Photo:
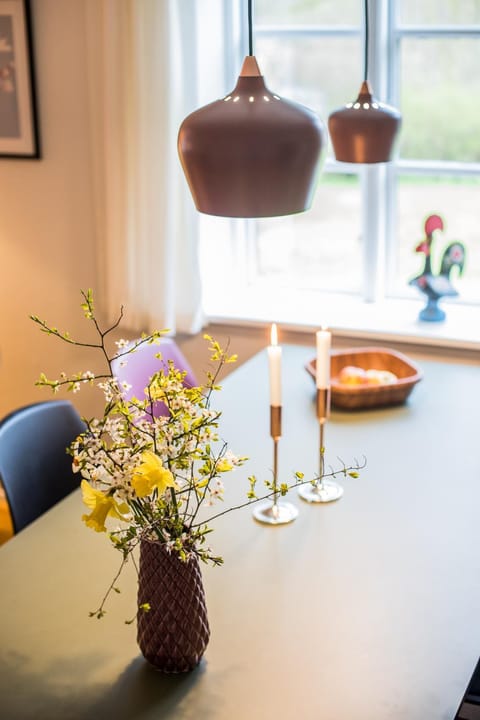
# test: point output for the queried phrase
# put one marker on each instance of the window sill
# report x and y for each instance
(346, 316)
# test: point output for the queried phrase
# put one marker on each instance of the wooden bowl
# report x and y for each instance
(357, 397)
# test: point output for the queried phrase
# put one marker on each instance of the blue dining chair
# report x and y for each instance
(473, 692)
(35, 469)
(136, 368)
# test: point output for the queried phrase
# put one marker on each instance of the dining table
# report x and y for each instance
(365, 608)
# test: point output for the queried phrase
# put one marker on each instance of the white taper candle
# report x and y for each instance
(275, 368)
(324, 340)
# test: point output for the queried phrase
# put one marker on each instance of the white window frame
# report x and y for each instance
(377, 181)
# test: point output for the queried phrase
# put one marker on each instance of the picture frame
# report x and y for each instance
(18, 112)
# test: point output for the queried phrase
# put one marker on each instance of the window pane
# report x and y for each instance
(458, 12)
(318, 249)
(298, 12)
(440, 104)
(456, 201)
(322, 73)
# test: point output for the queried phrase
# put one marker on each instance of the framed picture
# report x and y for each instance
(18, 122)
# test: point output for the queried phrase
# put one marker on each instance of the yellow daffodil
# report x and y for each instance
(102, 506)
(151, 474)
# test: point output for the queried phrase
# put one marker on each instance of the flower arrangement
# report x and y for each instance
(150, 476)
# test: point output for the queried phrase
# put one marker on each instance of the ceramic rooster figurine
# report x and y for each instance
(437, 286)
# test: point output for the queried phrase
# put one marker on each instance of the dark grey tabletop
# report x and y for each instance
(366, 608)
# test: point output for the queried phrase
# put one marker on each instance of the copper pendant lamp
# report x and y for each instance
(364, 131)
(251, 154)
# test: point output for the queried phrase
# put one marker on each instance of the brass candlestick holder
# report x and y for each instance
(276, 512)
(322, 490)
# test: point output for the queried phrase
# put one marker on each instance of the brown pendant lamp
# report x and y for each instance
(251, 154)
(364, 131)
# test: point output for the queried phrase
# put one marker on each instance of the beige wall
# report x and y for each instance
(47, 240)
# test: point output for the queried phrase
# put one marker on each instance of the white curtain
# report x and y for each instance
(143, 81)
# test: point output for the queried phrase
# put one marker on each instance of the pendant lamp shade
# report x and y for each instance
(251, 154)
(364, 131)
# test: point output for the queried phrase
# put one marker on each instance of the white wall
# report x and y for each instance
(47, 241)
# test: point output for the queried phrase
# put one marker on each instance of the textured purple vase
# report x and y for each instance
(174, 633)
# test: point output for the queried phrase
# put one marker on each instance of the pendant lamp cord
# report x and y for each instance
(250, 27)
(365, 60)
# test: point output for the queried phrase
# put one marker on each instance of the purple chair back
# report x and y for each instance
(142, 364)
